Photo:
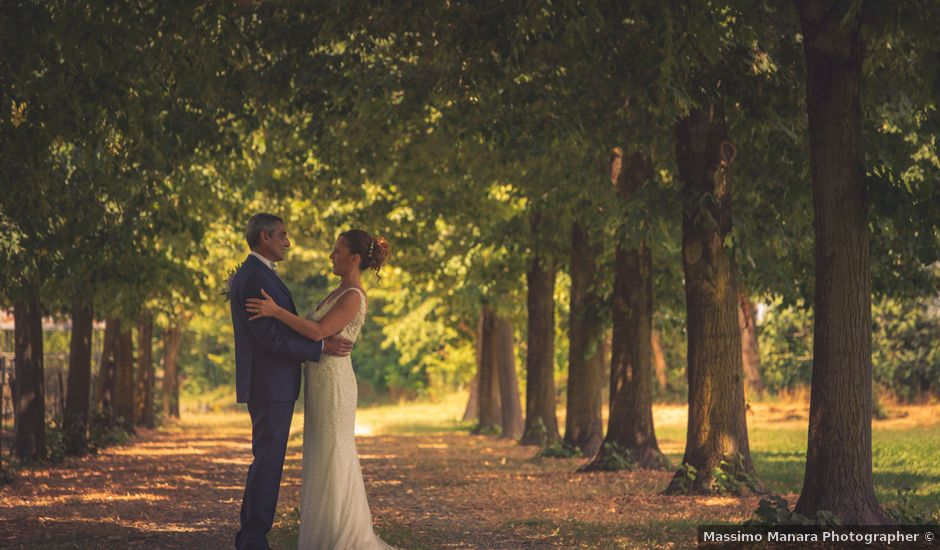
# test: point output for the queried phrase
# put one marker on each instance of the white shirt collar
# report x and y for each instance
(271, 265)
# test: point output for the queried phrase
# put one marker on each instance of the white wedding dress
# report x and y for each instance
(334, 509)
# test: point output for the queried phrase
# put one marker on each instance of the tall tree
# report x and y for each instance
(145, 376)
(107, 366)
(77, 405)
(29, 405)
(124, 378)
(838, 459)
(630, 423)
(541, 423)
(717, 428)
(173, 339)
(488, 395)
(583, 424)
(505, 359)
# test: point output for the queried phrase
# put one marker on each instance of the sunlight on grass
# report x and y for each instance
(422, 417)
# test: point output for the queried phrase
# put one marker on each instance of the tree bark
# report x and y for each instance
(124, 379)
(583, 425)
(630, 423)
(750, 354)
(659, 362)
(505, 356)
(78, 396)
(29, 403)
(489, 393)
(839, 458)
(541, 422)
(107, 366)
(144, 414)
(173, 340)
(473, 402)
(717, 428)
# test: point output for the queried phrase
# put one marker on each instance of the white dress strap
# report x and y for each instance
(340, 295)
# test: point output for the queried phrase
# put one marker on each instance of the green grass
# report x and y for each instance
(902, 456)
(422, 417)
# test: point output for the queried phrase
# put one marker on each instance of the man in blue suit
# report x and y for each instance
(268, 355)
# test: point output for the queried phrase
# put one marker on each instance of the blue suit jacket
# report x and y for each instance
(268, 353)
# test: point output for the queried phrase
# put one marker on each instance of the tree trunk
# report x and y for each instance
(630, 432)
(505, 356)
(541, 423)
(124, 379)
(659, 362)
(489, 394)
(750, 354)
(107, 366)
(839, 459)
(583, 425)
(144, 414)
(29, 403)
(630, 425)
(473, 402)
(717, 428)
(77, 404)
(173, 339)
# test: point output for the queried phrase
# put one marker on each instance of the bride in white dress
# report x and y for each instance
(334, 509)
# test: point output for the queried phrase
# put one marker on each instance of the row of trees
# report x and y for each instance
(112, 111)
(504, 149)
(528, 100)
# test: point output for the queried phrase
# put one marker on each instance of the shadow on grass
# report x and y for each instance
(782, 472)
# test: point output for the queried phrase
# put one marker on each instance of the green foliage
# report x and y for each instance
(557, 449)
(906, 347)
(774, 510)
(495, 429)
(104, 430)
(615, 458)
(55, 440)
(539, 431)
(684, 480)
(734, 478)
(905, 512)
(785, 340)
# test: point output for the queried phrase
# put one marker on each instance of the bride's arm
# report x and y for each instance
(334, 320)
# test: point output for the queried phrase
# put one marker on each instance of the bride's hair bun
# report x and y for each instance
(379, 253)
(373, 250)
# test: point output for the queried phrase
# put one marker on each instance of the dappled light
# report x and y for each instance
(447, 489)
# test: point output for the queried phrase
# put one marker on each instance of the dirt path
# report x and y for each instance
(182, 489)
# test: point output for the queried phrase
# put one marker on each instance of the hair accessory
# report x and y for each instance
(371, 242)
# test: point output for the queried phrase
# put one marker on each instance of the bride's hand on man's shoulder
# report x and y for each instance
(266, 307)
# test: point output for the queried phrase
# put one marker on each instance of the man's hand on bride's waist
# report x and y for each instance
(334, 345)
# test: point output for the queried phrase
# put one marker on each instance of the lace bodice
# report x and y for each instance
(350, 331)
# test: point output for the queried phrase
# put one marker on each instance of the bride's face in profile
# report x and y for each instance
(343, 260)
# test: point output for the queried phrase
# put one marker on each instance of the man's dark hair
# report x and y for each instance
(257, 224)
